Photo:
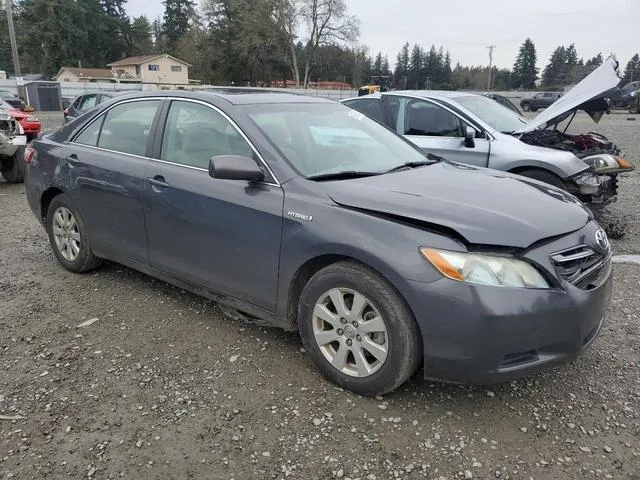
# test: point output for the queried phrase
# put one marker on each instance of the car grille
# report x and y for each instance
(581, 266)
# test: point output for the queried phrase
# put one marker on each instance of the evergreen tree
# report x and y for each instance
(141, 36)
(594, 61)
(402, 67)
(525, 72)
(416, 62)
(176, 22)
(632, 70)
(554, 71)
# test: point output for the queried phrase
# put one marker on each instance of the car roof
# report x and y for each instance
(234, 96)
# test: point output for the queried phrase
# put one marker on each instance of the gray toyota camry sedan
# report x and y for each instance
(304, 214)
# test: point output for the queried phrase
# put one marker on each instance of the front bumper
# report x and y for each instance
(593, 188)
(483, 335)
(10, 144)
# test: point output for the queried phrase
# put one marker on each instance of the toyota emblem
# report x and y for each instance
(602, 241)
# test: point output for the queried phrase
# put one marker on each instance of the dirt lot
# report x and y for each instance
(161, 385)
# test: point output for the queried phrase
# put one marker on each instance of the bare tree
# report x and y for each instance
(286, 14)
(327, 22)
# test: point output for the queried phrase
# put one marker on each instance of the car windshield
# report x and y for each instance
(491, 112)
(4, 105)
(323, 139)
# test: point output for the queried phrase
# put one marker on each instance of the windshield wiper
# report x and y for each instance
(343, 175)
(420, 163)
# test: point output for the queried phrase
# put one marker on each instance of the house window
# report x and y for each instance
(176, 68)
(154, 68)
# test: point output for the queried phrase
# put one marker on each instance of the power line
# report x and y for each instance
(491, 48)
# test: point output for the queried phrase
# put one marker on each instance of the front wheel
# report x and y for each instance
(68, 236)
(634, 109)
(12, 168)
(526, 107)
(359, 332)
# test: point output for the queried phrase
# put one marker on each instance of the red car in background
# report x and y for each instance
(29, 121)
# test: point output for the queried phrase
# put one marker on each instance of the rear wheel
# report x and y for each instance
(526, 107)
(12, 168)
(634, 109)
(357, 329)
(543, 176)
(68, 236)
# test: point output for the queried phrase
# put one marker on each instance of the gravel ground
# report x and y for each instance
(159, 384)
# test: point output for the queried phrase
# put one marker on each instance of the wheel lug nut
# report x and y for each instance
(349, 342)
(343, 320)
(340, 331)
(355, 324)
(358, 338)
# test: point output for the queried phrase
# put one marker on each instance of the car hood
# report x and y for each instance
(586, 95)
(486, 207)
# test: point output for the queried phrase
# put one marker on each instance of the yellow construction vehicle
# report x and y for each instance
(377, 83)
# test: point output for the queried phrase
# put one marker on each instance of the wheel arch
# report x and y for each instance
(313, 265)
(45, 200)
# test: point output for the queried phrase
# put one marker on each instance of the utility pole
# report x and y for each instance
(12, 38)
(491, 48)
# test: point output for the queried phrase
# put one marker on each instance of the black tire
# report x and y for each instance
(526, 107)
(402, 338)
(85, 260)
(543, 176)
(13, 167)
(534, 109)
(634, 109)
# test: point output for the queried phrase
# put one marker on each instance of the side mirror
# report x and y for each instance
(235, 167)
(469, 137)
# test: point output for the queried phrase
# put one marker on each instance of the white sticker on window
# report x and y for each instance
(355, 114)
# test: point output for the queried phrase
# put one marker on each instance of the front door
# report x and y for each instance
(220, 234)
(437, 130)
(106, 164)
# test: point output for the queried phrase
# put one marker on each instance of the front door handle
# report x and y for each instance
(73, 159)
(158, 181)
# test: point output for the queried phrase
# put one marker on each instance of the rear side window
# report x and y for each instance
(370, 107)
(127, 127)
(89, 135)
(88, 102)
(194, 133)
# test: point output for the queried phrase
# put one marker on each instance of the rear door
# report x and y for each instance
(220, 234)
(438, 130)
(105, 166)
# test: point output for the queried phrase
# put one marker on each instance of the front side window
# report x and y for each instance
(194, 133)
(127, 127)
(428, 119)
(319, 139)
(154, 68)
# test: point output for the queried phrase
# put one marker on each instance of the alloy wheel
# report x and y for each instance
(66, 234)
(350, 332)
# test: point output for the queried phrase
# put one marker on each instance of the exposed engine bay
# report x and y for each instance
(581, 146)
(9, 130)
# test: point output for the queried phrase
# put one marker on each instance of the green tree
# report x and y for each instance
(416, 62)
(525, 73)
(176, 22)
(632, 70)
(594, 61)
(140, 37)
(402, 67)
(554, 71)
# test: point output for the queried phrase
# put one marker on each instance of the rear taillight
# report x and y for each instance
(30, 154)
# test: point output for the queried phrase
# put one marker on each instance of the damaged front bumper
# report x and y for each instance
(11, 136)
(591, 187)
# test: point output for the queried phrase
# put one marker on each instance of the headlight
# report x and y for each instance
(484, 269)
(603, 163)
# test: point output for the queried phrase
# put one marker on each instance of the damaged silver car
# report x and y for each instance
(12, 146)
(476, 130)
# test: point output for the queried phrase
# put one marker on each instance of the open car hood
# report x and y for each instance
(586, 95)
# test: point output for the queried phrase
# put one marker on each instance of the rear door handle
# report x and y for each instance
(158, 181)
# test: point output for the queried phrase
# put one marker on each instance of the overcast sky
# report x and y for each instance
(467, 27)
